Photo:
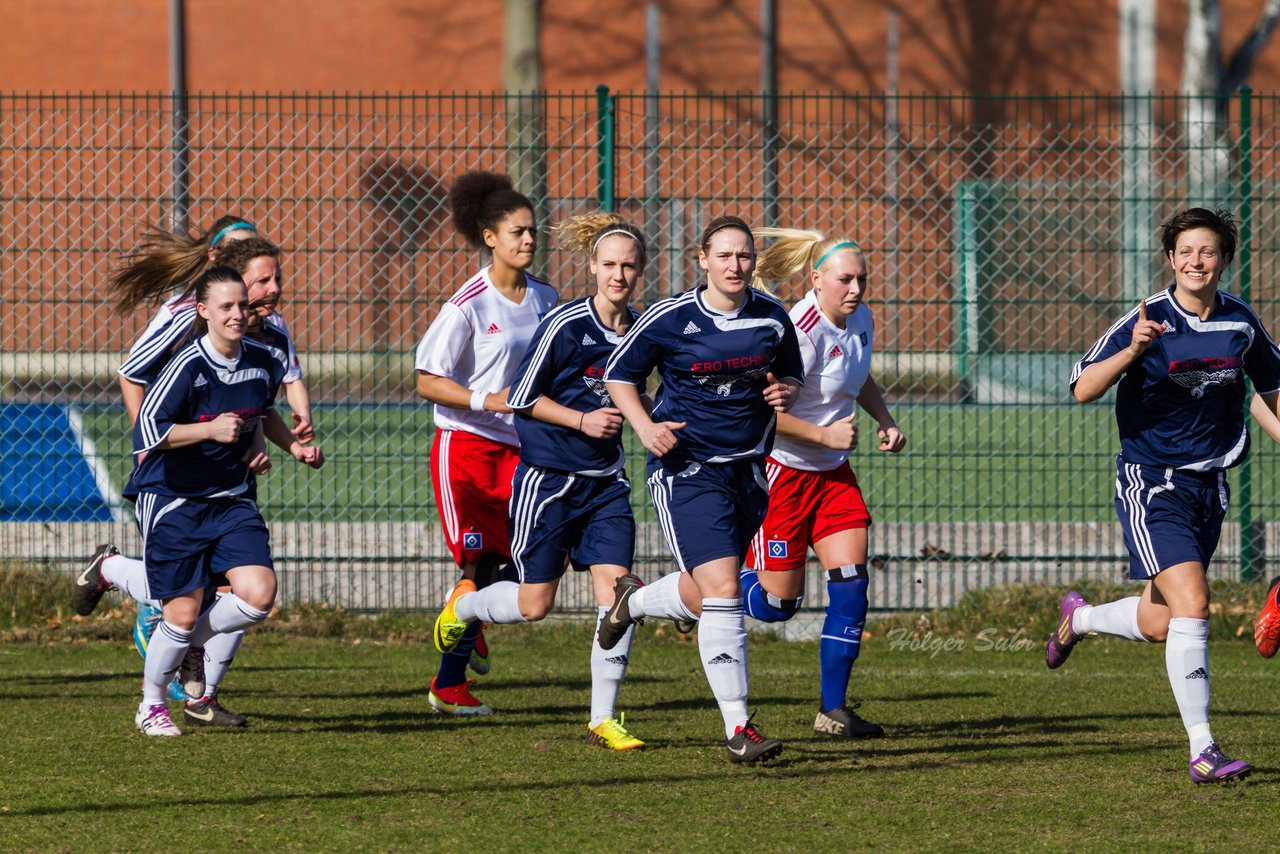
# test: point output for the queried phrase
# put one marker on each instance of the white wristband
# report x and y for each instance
(477, 400)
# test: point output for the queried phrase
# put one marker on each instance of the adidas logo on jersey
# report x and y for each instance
(1198, 673)
(200, 381)
(493, 329)
(723, 658)
(588, 341)
(836, 352)
(692, 328)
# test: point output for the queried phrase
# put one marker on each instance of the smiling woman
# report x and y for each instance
(199, 444)
(1180, 361)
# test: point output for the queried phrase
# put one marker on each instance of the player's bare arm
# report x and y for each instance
(871, 399)
(446, 392)
(658, 437)
(1100, 376)
(602, 423)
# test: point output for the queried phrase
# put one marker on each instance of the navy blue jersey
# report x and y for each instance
(1182, 403)
(713, 368)
(197, 386)
(152, 351)
(565, 362)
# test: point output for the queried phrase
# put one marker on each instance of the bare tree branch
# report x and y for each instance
(1242, 61)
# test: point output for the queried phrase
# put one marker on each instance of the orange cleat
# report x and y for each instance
(1266, 629)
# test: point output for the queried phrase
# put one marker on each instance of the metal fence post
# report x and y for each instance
(606, 148)
(1250, 560)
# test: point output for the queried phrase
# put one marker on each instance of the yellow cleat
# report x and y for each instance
(449, 629)
(610, 733)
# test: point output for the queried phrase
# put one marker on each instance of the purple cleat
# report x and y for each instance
(1064, 637)
(1214, 766)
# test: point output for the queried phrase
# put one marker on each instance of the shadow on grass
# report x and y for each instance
(70, 678)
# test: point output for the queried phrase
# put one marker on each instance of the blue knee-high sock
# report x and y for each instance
(763, 606)
(453, 665)
(842, 631)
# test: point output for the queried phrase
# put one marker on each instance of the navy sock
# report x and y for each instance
(453, 665)
(842, 632)
(761, 605)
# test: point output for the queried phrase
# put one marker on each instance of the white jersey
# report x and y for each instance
(146, 356)
(477, 340)
(836, 364)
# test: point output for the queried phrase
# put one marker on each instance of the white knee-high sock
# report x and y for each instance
(497, 603)
(722, 641)
(230, 613)
(660, 599)
(1186, 657)
(608, 669)
(1118, 619)
(219, 651)
(165, 652)
(130, 575)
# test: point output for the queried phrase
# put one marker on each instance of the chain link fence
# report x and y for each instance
(1004, 235)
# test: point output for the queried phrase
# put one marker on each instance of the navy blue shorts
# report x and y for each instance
(709, 510)
(1169, 516)
(186, 541)
(556, 514)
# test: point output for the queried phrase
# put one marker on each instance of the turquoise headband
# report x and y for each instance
(235, 226)
(842, 245)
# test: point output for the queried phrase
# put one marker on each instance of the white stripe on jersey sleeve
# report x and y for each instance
(159, 390)
(519, 397)
(1100, 344)
(651, 316)
(293, 365)
(147, 349)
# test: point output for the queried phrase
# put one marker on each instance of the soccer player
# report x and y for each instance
(729, 362)
(166, 262)
(465, 364)
(1180, 358)
(198, 443)
(571, 500)
(814, 497)
(258, 261)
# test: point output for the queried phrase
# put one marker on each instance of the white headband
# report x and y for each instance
(612, 231)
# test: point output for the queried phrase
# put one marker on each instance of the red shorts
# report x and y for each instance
(472, 480)
(805, 507)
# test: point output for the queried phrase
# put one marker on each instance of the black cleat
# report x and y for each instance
(191, 671)
(685, 627)
(90, 585)
(207, 712)
(750, 746)
(844, 722)
(618, 619)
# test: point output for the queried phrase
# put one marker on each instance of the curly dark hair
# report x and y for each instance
(479, 200)
(238, 253)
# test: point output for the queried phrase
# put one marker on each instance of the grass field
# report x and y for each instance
(985, 750)
(963, 464)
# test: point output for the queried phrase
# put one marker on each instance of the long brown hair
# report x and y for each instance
(165, 261)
